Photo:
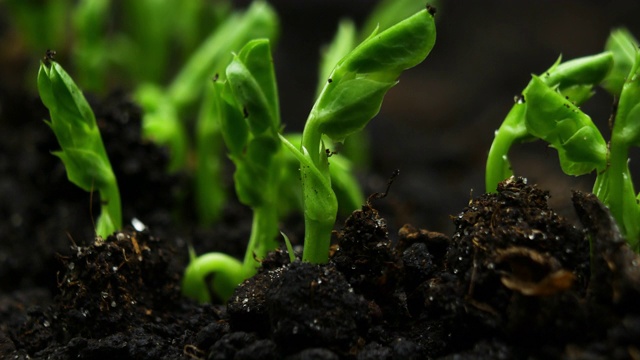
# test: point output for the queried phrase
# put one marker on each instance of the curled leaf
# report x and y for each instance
(555, 119)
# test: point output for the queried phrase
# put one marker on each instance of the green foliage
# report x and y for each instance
(247, 107)
(163, 107)
(549, 113)
(83, 153)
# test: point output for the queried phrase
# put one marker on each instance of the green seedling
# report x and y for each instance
(83, 153)
(548, 111)
(351, 97)
(574, 78)
(247, 106)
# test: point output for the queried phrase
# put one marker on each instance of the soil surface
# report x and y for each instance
(514, 280)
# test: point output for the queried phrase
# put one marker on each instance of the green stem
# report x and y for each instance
(111, 214)
(512, 130)
(264, 231)
(621, 194)
(227, 276)
(617, 167)
(317, 239)
(318, 224)
(311, 137)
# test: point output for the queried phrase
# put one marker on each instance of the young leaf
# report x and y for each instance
(362, 77)
(252, 138)
(589, 70)
(350, 106)
(385, 55)
(555, 119)
(574, 79)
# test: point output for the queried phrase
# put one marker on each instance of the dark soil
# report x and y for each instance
(515, 280)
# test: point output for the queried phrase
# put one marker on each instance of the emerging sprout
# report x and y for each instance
(83, 153)
(247, 106)
(549, 112)
(345, 105)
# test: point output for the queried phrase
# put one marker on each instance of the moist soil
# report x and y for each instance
(514, 280)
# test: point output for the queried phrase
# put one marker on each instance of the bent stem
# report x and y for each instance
(511, 131)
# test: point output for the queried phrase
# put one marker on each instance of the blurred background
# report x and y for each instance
(437, 124)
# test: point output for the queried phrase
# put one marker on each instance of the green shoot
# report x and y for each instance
(351, 97)
(287, 242)
(83, 153)
(247, 106)
(614, 186)
(575, 79)
(384, 15)
(552, 115)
